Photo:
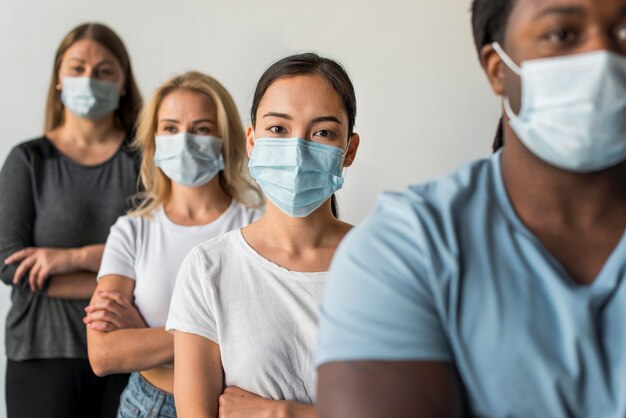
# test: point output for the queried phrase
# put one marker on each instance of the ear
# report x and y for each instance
(494, 68)
(355, 140)
(250, 140)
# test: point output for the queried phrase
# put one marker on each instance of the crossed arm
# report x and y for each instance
(199, 386)
(399, 389)
(71, 271)
(118, 339)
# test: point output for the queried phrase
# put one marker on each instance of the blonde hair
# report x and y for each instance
(130, 102)
(234, 179)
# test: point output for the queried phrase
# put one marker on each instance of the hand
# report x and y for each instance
(42, 263)
(112, 311)
(238, 403)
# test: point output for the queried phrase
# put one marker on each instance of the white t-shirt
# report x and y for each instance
(263, 316)
(150, 251)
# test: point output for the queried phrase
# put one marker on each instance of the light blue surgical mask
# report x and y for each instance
(188, 159)
(297, 175)
(573, 113)
(89, 98)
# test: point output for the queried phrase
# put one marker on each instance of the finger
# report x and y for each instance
(101, 326)
(117, 297)
(42, 275)
(106, 316)
(21, 270)
(32, 277)
(105, 305)
(19, 255)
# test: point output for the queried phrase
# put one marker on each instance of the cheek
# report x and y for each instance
(513, 90)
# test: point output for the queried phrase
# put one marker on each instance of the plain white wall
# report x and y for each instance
(424, 106)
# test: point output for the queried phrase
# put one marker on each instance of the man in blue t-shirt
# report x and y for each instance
(500, 290)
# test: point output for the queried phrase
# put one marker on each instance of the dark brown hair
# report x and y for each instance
(489, 20)
(308, 64)
(130, 102)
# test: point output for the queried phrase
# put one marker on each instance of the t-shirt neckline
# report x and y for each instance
(603, 280)
(168, 223)
(258, 258)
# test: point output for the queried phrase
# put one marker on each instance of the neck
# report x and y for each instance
(297, 234)
(197, 203)
(540, 191)
(87, 132)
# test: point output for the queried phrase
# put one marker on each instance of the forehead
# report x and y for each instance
(301, 94)
(186, 102)
(525, 10)
(90, 51)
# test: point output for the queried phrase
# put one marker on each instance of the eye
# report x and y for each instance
(277, 130)
(325, 133)
(77, 69)
(561, 36)
(202, 130)
(170, 129)
(105, 72)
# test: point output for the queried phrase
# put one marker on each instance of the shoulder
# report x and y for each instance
(216, 248)
(32, 148)
(247, 214)
(131, 227)
(420, 225)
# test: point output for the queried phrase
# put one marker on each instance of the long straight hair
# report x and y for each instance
(235, 180)
(130, 102)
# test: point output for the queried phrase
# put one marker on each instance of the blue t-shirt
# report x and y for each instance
(447, 272)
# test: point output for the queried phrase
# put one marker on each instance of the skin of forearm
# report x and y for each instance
(78, 285)
(88, 258)
(129, 350)
(298, 410)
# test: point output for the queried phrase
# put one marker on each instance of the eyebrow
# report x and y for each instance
(277, 115)
(100, 63)
(563, 11)
(195, 121)
(326, 119)
(316, 120)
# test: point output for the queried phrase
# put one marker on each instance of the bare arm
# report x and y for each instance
(65, 265)
(399, 389)
(129, 349)
(79, 285)
(198, 376)
(238, 403)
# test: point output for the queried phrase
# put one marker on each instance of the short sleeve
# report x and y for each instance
(17, 209)
(192, 301)
(379, 303)
(120, 249)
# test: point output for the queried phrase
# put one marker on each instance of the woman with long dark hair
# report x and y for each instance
(60, 194)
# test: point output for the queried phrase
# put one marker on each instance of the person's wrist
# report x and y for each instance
(77, 259)
(281, 409)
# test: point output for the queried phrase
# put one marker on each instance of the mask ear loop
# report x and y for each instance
(506, 59)
(345, 153)
(515, 68)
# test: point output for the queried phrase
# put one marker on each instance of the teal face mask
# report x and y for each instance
(188, 159)
(89, 98)
(297, 175)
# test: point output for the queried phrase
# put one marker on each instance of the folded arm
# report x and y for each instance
(131, 346)
(400, 389)
(198, 376)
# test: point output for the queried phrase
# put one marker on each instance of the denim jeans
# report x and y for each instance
(142, 400)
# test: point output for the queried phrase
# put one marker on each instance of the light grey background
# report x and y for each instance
(424, 106)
